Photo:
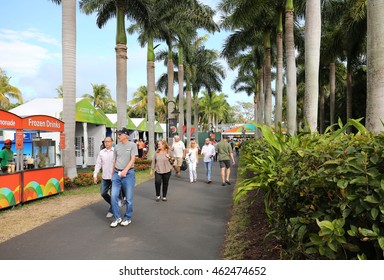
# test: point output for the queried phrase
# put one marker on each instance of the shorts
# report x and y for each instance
(225, 163)
(178, 161)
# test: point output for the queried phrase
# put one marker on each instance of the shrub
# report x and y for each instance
(324, 194)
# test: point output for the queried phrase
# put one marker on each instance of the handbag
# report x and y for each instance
(171, 160)
(184, 165)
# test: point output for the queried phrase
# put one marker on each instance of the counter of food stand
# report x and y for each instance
(42, 178)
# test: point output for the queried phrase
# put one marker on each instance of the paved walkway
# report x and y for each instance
(191, 225)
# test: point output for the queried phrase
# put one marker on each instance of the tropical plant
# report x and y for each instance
(7, 91)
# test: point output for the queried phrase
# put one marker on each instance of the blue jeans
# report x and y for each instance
(106, 185)
(127, 185)
(208, 169)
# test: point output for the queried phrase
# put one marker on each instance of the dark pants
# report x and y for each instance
(140, 153)
(162, 178)
(104, 191)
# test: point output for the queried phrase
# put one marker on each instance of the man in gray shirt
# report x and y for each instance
(123, 177)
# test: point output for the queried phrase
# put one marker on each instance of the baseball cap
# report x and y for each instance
(8, 141)
(123, 131)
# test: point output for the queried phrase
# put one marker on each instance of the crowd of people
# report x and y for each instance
(118, 174)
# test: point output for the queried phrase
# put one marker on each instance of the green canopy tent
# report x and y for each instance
(130, 124)
(86, 113)
(108, 122)
(143, 126)
(158, 128)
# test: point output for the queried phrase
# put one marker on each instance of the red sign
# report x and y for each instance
(62, 141)
(44, 123)
(19, 139)
(10, 121)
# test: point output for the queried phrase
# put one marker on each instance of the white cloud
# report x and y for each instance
(21, 54)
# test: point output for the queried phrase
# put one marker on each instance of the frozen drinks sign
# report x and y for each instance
(44, 123)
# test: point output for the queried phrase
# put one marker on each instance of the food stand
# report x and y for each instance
(44, 178)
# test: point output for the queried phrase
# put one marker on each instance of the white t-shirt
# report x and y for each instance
(209, 151)
(178, 149)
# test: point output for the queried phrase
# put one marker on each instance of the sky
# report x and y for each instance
(30, 52)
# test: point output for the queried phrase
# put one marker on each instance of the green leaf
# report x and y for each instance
(374, 213)
(381, 242)
(342, 184)
(371, 199)
(325, 224)
(367, 232)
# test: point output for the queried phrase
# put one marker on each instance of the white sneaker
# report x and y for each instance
(109, 215)
(125, 222)
(115, 223)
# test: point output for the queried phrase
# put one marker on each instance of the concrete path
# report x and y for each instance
(191, 225)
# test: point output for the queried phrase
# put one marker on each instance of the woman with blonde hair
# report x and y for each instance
(162, 164)
(192, 160)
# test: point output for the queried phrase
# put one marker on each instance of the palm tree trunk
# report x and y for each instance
(121, 68)
(196, 117)
(268, 79)
(151, 97)
(189, 113)
(332, 88)
(291, 68)
(170, 73)
(321, 110)
(181, 93)
(312, 60)
(279, 73)
(375, 54)
(260, 110)
(69, 85)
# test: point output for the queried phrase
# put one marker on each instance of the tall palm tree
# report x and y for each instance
(69, 83)
(8, 91)
(135, 10)
(375, 54)
(101, 97)
(291, 68)
(312, 60)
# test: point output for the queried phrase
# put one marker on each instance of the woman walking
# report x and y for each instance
(192, 160)
(162, 165)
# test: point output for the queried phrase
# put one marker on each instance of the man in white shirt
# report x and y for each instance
(178, 149)
(105, 162)
(208, 151)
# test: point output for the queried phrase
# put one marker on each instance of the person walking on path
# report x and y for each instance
(105, 161)
(192, 160)
(178, 149)
(225, 154)
(161, 164)
(208, 152)
(123, 177)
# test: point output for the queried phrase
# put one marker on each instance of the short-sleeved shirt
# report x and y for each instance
(123, 154)
(5, 156)
(224, 150)
(178, 149)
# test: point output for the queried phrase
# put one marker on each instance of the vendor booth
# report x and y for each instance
(37, 175)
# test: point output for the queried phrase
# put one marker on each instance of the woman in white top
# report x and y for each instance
(192, 160)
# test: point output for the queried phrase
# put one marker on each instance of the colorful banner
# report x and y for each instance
(42, 182)
(10, 190)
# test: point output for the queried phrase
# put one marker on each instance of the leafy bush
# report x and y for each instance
(324, 194)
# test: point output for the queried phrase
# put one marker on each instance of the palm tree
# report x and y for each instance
(375, 54)
(69, 84)
(291, 68)
(101, 97)
(136, 10)
(312, 58)
(8, 91)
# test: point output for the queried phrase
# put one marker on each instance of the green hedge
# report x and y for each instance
(324, 193)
